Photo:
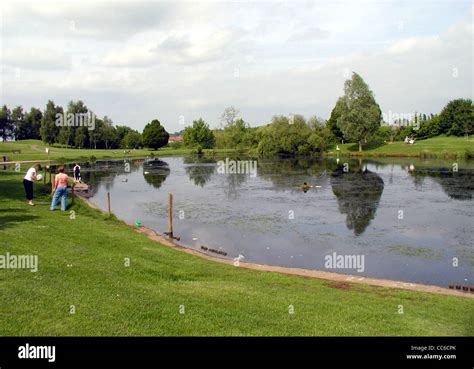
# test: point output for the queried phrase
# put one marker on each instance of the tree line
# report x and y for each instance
(54, 126)
(355, 118)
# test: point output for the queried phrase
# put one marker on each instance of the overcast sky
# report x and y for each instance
(137, 61)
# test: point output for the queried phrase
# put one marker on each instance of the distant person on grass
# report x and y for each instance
(77, 173)
(60, 189)
(28, 180)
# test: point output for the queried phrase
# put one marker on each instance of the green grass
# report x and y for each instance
(36, 150)
(437, 147)
(81, 263)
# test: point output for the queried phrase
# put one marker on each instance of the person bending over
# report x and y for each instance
(28, 180)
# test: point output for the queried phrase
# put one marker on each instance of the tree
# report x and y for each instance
(336, 113)
(67, 133)
(236, 135)
(6, 124)
(122, 131)
(429, 128)
(132, 140)
(283, 137)
(29, 127)
(457, 117)
(108, 133)
(362, 115)
(154, 135)
(81, 137)
(49, 130)
(199, 135)
(229, 116)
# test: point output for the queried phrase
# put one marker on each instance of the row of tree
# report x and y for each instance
(356, 117)
(100, 133)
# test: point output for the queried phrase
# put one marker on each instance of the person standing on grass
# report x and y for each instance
(60, 189)
(28, 180)
(77, 173)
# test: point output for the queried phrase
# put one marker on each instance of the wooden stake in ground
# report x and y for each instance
(170, 215)
(108, 203)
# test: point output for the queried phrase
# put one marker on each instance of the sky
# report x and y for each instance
(179, 61)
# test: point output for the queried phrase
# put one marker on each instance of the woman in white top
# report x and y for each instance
(28, 180)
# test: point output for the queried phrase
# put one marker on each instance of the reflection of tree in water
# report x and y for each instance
(157, 171)
(457, 185)
(199, 169)
(232, 184)
(358, 194)
(290, 173)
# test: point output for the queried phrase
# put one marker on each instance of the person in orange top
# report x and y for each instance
(60, 189)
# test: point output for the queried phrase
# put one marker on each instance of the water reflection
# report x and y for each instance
(155, 172)
(358, 195)
(199, 169)
(291, 173)
(457, 185)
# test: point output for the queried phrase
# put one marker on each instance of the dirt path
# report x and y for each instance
(341, 279)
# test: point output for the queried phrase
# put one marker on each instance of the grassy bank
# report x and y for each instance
(167, 292)
(31, 150)
(436, 147)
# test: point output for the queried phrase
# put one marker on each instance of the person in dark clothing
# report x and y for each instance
(77, 173)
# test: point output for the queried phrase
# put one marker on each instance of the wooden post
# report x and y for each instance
(108, 203)
(52, 185)
(170, 215)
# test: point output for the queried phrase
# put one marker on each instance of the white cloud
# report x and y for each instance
(162, 60)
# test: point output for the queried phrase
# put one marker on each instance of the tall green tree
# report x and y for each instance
(122, 131)
(457, 118)
(361, 117)
(67, 133)
(199, 134)
(49, 130)
(6, 124)
(154, 135)
(332, 123)
(29, 127)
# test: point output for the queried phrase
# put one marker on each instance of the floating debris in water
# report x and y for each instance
(205, 248)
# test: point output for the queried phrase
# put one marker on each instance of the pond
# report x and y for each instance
(402, 219)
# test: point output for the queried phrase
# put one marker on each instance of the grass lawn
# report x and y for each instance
(82, 263)
(436, 147)
(36, 150)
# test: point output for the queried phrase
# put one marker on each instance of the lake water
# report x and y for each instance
(408, 218)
